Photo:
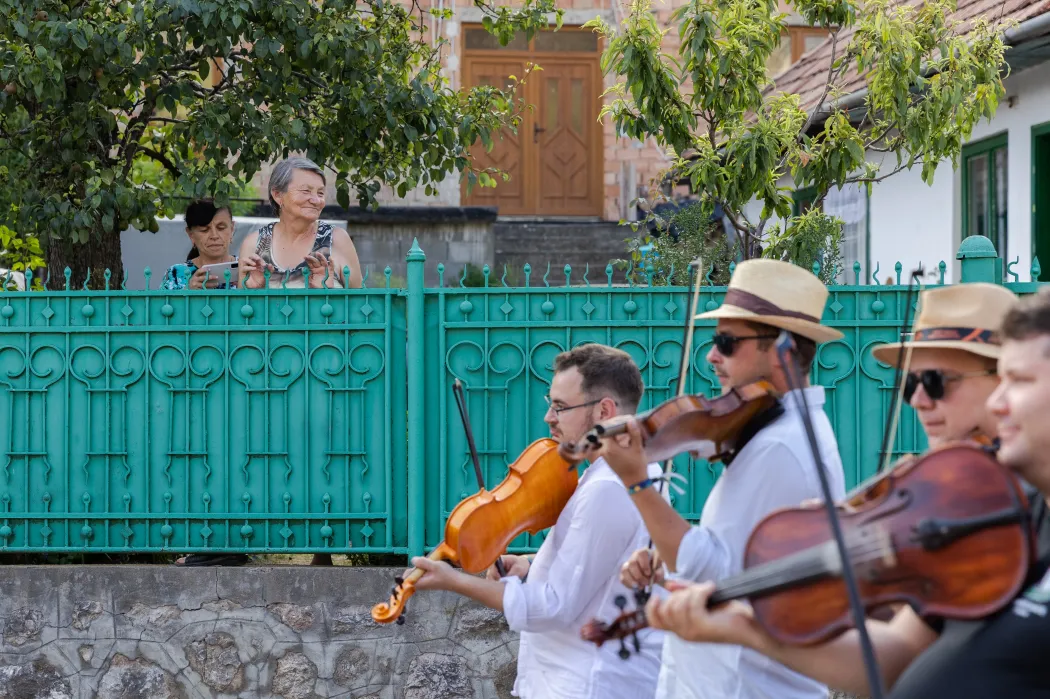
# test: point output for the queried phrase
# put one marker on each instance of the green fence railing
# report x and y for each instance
(314, 420)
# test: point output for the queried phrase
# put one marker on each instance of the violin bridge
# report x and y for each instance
(885, 543)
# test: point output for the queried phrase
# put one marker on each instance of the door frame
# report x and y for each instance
(530, 165)
(1039, 131)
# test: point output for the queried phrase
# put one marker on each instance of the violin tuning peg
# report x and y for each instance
(401, 620)
(637, 643)
(620, 601)
(399, 580)
(623, 652)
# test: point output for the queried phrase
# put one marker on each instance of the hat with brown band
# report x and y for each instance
(779, 294)
(964, 317)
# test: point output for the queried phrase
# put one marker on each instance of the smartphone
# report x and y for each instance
(217, 271)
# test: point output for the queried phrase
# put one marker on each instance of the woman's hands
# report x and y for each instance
(253, 271)
(322, 269)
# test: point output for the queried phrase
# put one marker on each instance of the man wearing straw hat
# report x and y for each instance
(771, 466)
(951, 359)
(950, 363)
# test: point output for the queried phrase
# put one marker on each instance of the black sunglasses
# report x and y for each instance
(934, 381)
(726, 344)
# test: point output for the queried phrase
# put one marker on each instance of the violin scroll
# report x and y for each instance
(625, 625)
(394, 608)
(706, 427)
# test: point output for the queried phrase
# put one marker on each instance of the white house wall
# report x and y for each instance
(912, 222)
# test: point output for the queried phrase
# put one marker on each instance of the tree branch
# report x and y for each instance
(880, 178)
(160, 158)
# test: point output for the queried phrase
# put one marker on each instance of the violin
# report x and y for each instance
(947, 533)
(876, 485)
(537, 487)
(688, 423)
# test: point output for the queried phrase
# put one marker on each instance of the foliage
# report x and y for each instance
(20, 254)
(814, 241)
(733, 137)
(243, 196)
(679, 239)
(212, 89)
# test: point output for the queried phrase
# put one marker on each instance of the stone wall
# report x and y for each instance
(561, 243)
(160, 632)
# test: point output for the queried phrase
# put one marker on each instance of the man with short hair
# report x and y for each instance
(574, 575)
(1005, 654)
(770, 466)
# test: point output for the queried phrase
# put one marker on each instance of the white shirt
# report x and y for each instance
(775, 469)
(574, 578)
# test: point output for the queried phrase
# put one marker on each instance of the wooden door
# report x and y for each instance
(555, 159)
(507, 154)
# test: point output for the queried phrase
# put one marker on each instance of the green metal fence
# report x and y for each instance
(312, 420)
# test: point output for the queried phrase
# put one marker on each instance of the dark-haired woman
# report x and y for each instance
(210, 229)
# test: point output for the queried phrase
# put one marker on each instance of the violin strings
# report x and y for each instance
(783, 570)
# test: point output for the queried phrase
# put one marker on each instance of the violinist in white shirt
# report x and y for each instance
(769, 466)
(574, 576)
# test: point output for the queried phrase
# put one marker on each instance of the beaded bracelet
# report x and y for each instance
(640, 486)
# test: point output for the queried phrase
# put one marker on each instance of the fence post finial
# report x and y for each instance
(979, 261)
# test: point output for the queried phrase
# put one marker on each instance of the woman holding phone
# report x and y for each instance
(210, 229)
(299, 241)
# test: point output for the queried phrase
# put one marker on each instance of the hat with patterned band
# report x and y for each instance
(964, 317)
(779, 294)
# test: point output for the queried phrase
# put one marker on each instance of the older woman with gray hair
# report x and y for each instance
(299, 241)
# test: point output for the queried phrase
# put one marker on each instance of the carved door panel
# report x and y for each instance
(565, 127)
(508, 149)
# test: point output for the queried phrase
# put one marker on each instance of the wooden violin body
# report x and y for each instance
(538, 485)
(694, 423)
(947, 533)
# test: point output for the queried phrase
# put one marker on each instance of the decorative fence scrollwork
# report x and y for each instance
(291, 420)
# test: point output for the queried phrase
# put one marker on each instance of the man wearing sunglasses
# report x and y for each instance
(951, 359)
(574, 575)
(770, 466)
(956, 340)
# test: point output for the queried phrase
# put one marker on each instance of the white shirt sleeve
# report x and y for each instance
(602, 525)
(773, 479)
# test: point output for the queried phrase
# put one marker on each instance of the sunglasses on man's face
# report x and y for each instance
(934, 382)
(726, 344)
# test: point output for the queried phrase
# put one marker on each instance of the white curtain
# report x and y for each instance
(850, 204)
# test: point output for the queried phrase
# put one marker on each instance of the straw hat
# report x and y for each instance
(964, 316)
(777, 293)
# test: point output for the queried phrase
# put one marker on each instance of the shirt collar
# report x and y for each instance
(814, 398)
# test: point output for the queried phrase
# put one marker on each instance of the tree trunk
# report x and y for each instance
(97, 255)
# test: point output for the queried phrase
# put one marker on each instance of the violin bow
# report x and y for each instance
(903, 364)
(695, 269)
(461, 403)
(786, 351)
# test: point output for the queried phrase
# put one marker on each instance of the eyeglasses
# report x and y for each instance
(934, 381)
(560, 410)
(726, 344)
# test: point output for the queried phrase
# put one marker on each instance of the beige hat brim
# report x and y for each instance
(808, 329)
(888, 353)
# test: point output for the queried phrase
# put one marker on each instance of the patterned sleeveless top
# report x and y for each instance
(264, 249)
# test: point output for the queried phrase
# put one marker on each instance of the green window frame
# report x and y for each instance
(985, 190)
(1041, 198)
